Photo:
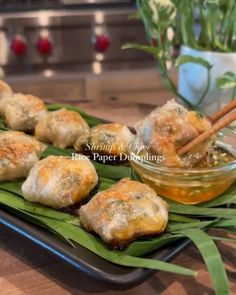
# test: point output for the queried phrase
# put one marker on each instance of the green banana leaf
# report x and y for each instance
(212, 258)
(184, 221)
(66, 226)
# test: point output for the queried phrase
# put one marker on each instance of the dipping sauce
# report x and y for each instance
(206, 179)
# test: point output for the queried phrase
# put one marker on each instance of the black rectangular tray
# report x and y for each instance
(113, 276)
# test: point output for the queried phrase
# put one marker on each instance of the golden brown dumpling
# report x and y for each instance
(63, 128)
(4, 89)
(110, 139)
(170, 127)
(127, 210)
(59, 181)
(18, 154)
(22, 112)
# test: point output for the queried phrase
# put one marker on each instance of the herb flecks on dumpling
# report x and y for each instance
(22, 111)
(124, 212)
(63, 128)
(59, 181)
(18, 154)
(110, 139)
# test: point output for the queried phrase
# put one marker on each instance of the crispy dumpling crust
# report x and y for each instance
(4, 88)
(168, 128)
(124, 212)
(110, 139)
(63, 128)
(5, 91)
(59, 181)
(22, 112)
(18, 153)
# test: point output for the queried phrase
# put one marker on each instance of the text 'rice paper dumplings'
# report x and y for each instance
(109, 139)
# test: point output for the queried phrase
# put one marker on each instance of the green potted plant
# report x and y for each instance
(205, 31)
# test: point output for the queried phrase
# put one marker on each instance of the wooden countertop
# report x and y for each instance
(26, 269)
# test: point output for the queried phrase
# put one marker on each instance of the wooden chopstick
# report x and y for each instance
(222, 112)
(226, 120)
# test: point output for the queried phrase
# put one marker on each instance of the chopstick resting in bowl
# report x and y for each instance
(220, 119)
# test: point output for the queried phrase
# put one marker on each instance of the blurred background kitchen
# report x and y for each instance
(70, 50)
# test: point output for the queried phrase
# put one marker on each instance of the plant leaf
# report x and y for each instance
(187, 23)
(223, 239)
(156, 52)
(16, 202)
(183, 59)
(201, 211)
(35, 219)
(96, 246)
(78, 235)
(225, 223)
(140, 248)
(211, 257)
(112, 171)
(181, 218)
(227, 198)
(12, 186)
(226, 81)
(176, 226)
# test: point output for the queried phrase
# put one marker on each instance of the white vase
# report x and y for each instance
(193, 79)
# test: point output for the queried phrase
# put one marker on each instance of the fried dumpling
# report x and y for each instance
(59, 181)
(4, 89)
(18, 154)
(170, 127)
(110, 139)
(22, 112)
(63, 128)
(124, 212)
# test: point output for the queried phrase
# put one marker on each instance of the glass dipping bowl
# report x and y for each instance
(187, 185)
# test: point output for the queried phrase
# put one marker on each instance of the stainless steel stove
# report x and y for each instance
(71, 49)
(84, 35)
(12, 5)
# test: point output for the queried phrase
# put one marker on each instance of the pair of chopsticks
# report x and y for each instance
(219, 120)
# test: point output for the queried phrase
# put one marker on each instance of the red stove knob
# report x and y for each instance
(18, 46)
(101, 43)
(44, 46)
